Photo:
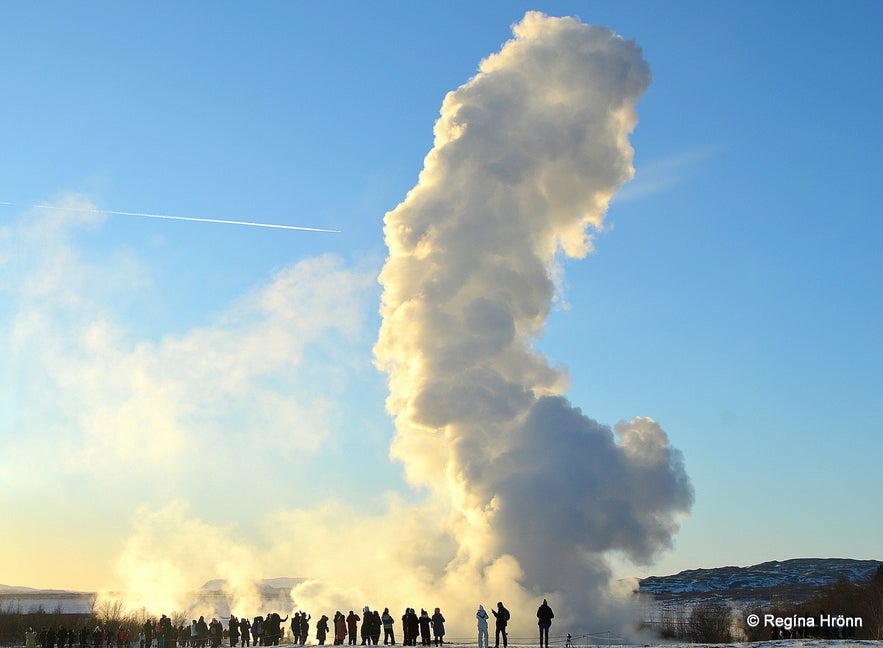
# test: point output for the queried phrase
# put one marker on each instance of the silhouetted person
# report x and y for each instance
(367, 619)
(376, 625)
(201, 632)
(438, 627)
(322, 629)
(215, 633)
(502, 616)
(413, 625)
(425, 622)
(406, 630)
(352, 626)
(245, 631)
(339, 628)
(389, 637)
(257, 630)
(544, 621)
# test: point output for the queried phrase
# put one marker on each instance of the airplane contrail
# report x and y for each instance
(169, 217)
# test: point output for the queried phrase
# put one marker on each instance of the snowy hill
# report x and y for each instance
(13, 590)
(14, 598)
(796, 577)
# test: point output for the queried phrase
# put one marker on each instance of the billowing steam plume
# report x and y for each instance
(526, 497)
(526, 157)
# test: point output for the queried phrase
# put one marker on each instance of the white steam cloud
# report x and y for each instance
(527, 156)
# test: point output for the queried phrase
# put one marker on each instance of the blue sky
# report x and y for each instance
(734, 295)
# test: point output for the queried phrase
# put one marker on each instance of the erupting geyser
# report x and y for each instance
(526, 157)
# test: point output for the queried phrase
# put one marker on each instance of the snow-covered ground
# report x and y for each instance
(64, 602)
(784, 643)
(26, 599)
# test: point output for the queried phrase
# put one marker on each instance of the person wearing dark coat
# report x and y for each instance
(164, 633)
(438, 627)
(367, 621)
(147, 629)
(352, 626)
(97, 640)
(406, 630)
(201, 632)
(339, 628)
(215, 633)
(322, 629)
(425, 621)
(275, 624)
(413, 625)
(502, 616)
(376, 625)
(245, 632)
(544, 621)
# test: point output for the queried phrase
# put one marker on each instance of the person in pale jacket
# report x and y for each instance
(483, 638)
(30, 638)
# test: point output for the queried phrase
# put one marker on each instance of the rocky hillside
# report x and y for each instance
(793, 579)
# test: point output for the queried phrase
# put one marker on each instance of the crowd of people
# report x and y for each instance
(343, 628)
(268, 630)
